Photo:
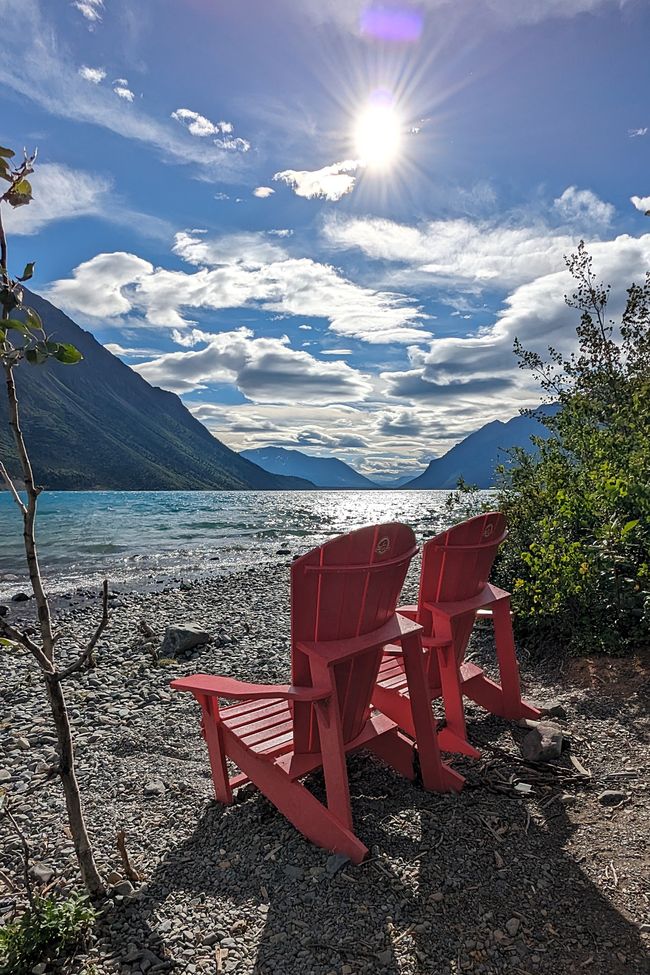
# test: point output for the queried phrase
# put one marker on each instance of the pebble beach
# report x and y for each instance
(541, 881)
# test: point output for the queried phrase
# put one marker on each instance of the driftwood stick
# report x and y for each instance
(86, 654)
(129, 871)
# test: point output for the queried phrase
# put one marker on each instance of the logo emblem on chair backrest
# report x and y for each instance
(488, 530)
(382, 546)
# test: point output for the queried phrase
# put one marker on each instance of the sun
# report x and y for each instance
(378, 135)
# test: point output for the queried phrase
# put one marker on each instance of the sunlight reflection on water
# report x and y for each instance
(138, 538)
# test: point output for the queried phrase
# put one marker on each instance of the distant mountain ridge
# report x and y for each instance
(100, 425)
(476, 457)
(324, 472)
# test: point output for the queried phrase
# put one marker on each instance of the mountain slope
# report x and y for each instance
(325, 472)
(100, 425)
(476, 457)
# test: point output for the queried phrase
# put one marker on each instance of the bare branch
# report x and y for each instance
(26, 854)
(9, 631)
(12, 487)
(87, 653)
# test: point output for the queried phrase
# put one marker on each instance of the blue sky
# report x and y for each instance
(204, 206)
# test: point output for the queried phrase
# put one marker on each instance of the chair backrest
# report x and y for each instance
(456, 565)
(346, 588)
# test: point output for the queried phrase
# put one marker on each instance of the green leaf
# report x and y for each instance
(7, 643)
(67, 354)
(627, 528)
(28, 272)
(34, 320)
(19, 194)
(8, 153)
(17, 325)
(35, 357)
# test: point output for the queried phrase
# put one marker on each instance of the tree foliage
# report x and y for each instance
(578, 554)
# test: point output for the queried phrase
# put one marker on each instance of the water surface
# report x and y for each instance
(145, 538)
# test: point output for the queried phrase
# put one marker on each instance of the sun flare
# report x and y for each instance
(378, 134)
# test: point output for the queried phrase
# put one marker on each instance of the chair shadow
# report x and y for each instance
(445, 876)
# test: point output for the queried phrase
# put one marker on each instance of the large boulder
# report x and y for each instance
(180, 639)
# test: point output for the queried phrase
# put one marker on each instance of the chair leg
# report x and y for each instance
(513, 706)
(395, 750)
(455, 734)
(314, 820)
(213, 734)
(436, 776)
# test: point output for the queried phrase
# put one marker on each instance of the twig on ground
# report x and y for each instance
(86, 656)
(129, 871)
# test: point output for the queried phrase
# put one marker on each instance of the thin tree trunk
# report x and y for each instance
(89, 873)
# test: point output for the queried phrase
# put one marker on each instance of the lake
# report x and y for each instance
(146, 538)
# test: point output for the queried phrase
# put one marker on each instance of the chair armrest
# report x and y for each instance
(213, 686)
(491, 594)
(410, 611)
(330, 651)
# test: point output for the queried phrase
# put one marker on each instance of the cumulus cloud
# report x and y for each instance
(263, 192)
(401, 423)
(483, 364)
(94, 75)
(122, 90)
(329, 183)
(641, 203)
(265, 370)
(241, 271)
(584, 208)
(92, 10)
(202, 127)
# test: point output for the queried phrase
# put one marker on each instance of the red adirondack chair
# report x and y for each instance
(454, 590)
(343, 599)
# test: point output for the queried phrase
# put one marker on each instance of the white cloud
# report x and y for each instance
(60, 193)
(221, 196)
(91, 9)
(250, 250)
(202, 127)
(265, 370)
(636, 133)
(583, 208)
(40, 69)
(122, 90)
(641, 203)
(347, 13)
(336, 352)
(97, 287)
(283, 232)
(479, 366)
(234, 274)
(263, 192)
(329, 183)
(305, 328)
(94, 75)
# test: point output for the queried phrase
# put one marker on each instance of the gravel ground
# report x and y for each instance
(491, 880)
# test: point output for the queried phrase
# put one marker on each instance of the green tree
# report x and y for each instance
(23, 339)
(578, 553)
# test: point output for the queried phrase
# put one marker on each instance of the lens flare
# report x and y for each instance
(378, 134)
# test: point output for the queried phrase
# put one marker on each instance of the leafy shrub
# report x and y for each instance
(578, 554)
(49, 929)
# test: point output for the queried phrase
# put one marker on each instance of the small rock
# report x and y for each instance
(554, 711)
(542, 743)
(611, 797)
(179, 639)
(20, 597)
(114, 877)
(210, 939)
(39, 969)
(385, 957)
(567, 799)
(41, 873)
(154, 788)
(22, 743)
(3, 609)
(5, 775)
(437, 896)
(512, 926)
(335, 863)
(124, 888)
(283, 551)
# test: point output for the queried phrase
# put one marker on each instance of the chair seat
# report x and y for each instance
(391, 675)
(264, 726)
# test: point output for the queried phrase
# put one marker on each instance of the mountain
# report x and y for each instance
(324, 472)
(476, 457)
(392, 483)
(99, 424)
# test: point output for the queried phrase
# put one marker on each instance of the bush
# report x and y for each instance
(49, 929)
(578, 553)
